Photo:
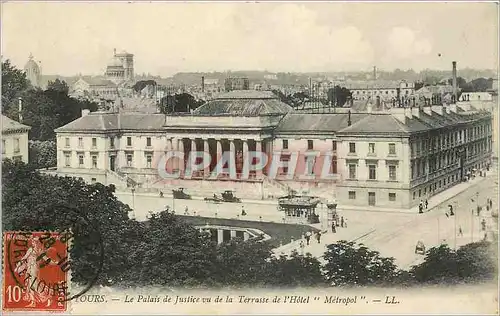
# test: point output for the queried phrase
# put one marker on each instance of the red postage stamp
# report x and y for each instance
(36, 267)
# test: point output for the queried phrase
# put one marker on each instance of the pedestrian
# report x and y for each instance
(318, 237)
(447, 215)
(345, 223)
(478, 210)
(460, 232)
(186, 211)
(301, 245)
(420, 210)
(243, 213)
(342, 221)
(483, 224)
(426, 204)
(308, 237)
(334, 228)
(491, 204)
(161, 194)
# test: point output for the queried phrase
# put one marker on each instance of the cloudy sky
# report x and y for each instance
(70, 38)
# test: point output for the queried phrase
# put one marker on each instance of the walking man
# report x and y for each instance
(426, 204)
(308, 237)
(334, 230)
(420, 208)
(460, 232)
(342, 221)
(345, 223)
(318, 237)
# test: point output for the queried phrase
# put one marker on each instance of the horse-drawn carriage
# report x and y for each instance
(226, 196)
(180, 194)
(420, 248)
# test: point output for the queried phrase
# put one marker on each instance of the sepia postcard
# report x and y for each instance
(292, 158)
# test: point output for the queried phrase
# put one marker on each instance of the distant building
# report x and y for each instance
(120, 68)
(231, 84)
(14, 139)
(33, 72)
(363, 90)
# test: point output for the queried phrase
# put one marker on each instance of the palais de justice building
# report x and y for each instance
(391, 158)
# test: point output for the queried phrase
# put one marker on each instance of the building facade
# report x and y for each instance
(232, 83)
(33, 72)
(390, 158)
(14, 140)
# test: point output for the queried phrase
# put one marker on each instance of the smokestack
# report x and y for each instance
(454, 79)
(374, 72)
(202, 83)
(349, 118)
(20, 109)
(114, 52)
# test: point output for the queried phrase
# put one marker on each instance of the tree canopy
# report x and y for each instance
(14, 82)
(179, 103)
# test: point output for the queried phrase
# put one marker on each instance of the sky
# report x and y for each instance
(72, 38)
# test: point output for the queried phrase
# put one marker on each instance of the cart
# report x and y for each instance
(228, 196)
(180, 194)
(420, 248)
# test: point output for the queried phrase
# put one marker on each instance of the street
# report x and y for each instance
(392, 234)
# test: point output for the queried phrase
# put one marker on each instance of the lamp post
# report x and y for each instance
(133, 202)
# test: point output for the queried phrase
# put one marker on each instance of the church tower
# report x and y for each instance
(33, 72)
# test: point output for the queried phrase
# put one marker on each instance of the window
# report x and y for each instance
(392, 197)
(16, 145)
(352, 195)
(67, 159)
(148, 141)
(80, 160)
(129, 160)
(310, 144)
(93, 180)
(352, 148)
(372, 172)
(334, 146)
(129, 141)
(285, 143)
(80, 142)
(392, 149)
(112, 142)
(371, 198)
(352, 171)
(371, 148)
(94, 161)
(3, 146)
(149, 159)
(67, 141)
(392, 173)
(94, 142)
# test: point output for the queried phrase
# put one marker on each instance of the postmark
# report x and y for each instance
(36, 271)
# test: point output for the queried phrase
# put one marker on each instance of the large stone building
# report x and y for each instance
(14, 139)
(391, 158)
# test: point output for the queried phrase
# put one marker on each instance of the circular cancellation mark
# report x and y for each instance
(39, 263)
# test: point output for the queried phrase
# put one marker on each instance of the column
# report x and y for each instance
(258, 148)
(193, 149)
(232, 159)
(246, 160)
(169, 147)
(180, 148)
(206, 149)
(245, 236)
(220, 236)
(219, 154)
(233, 234)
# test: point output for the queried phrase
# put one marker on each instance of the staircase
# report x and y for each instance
(119, 179)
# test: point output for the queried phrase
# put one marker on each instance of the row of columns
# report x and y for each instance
(220, 234)
(177, 144)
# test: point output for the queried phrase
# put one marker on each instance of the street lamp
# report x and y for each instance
(133, 202)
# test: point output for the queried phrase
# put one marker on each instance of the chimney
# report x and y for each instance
(20, 109)
(454, 78)
(85, 112)
(349, 118)
(374, 72)
(202, 84)
(114, 52)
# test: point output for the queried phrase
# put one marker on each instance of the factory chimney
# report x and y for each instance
(349, 118)
(374, 72)
(20, 109)
(202, 83)
(454, 79)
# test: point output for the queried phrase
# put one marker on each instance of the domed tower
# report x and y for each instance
(33, 72)
(115, 70)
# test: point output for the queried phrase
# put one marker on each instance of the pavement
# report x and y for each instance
(392, 232)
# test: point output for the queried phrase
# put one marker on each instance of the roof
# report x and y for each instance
(104, 121)
(99, 82)
(316, 122)
(31, 64)
(376, 123)
(244, 103)
(115, 62)
(378, 84)
(9, 125)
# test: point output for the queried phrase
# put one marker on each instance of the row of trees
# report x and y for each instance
(475, 85)
(337, 96)
(166, 251)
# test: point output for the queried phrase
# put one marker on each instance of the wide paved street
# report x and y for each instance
(392, 234)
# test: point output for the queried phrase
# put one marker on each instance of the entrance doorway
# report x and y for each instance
(112, 160)
(371, 198)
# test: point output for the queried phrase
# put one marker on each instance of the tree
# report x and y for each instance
(350, 264)
(295, 271)
(43, 154)
(179, 103)
(14, 82)
(59, 86)
(470, 263)
(338, 96)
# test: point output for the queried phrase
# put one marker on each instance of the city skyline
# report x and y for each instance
(279, 37)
